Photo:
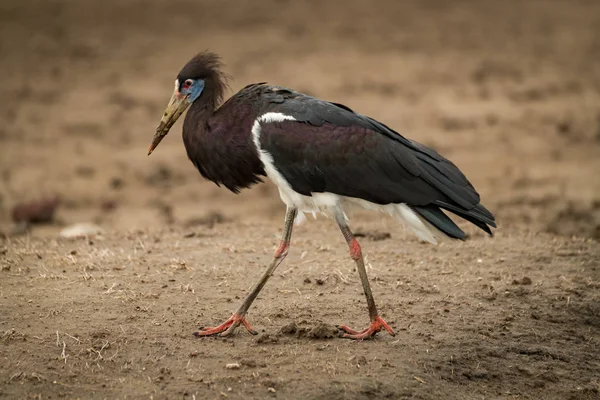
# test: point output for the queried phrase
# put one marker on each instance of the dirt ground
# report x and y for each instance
(510, 91)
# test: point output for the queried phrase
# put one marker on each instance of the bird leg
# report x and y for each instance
(377, 323)
(227, 327)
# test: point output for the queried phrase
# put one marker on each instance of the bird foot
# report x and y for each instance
(373, 328)
(227, 327)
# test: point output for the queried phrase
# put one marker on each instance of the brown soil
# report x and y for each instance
(510, 91)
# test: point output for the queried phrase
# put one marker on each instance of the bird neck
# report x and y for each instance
(200, 111)
(197, 116)
(210, 133)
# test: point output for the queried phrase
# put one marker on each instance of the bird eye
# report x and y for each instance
(188, 83)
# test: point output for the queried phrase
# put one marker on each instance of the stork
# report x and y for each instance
(322, 156)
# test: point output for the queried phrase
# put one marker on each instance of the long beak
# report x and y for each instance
(177, 105)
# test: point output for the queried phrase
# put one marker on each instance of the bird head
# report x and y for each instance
(186, 91)
(200, 78)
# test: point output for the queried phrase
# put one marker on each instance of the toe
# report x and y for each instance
(349, 330)
(375, 326)
(248, 327)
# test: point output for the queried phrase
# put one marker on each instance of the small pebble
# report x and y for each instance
(233, 366)
(81, 230)
(272, 390)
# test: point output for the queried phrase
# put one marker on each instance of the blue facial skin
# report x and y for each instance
(193, 91)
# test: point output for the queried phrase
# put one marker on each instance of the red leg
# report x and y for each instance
(227, 327)
(282, 249)
(377, 323)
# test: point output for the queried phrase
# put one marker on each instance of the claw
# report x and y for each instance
(376, 325)
(227, 327)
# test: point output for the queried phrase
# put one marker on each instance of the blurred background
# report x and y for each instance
(508, 90)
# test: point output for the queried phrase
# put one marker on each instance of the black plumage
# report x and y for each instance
(328, 148)
(318, 147)
(219, 144)
(357, 162)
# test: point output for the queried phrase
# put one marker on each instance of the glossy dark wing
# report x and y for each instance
(329, 148)
(345, 160)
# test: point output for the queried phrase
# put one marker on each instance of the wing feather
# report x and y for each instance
(330, 148)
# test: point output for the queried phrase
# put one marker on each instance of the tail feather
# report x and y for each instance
(439, 220)
(478, 216)
(481, 225)
(478, 213)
